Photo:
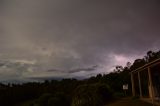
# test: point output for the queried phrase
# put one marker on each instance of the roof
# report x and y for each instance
(151, 64)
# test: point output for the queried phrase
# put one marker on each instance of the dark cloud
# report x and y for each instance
(68, 35)
(93, 68)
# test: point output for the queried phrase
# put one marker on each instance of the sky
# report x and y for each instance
(74, 38)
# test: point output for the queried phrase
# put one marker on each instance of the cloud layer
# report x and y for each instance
(68, 36)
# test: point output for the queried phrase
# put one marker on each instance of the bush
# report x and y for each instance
(119, 94)
(43, 99)
(57, 99)
(91, 95)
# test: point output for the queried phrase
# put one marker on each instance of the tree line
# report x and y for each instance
(94, 91)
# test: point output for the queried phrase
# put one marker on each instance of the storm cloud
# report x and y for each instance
(69, 35)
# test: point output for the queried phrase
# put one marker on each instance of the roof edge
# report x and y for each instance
(147, 65)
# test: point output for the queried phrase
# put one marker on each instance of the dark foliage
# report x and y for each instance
(91, 95)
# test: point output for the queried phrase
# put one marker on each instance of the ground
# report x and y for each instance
(120, 102)
(128, 102)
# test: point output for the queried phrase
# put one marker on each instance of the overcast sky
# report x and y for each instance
(74, 38)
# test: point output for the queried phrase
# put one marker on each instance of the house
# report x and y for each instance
(146, 82)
